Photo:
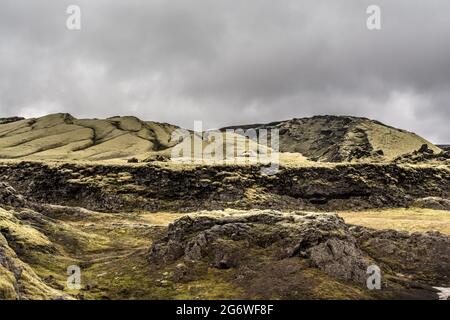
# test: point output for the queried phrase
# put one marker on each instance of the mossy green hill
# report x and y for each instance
(320, 138)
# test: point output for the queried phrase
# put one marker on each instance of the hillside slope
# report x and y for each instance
(320, 138)
(343, 138)
(61, 136)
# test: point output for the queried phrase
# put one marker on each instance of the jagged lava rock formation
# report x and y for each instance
(153, 187)
(287, 255)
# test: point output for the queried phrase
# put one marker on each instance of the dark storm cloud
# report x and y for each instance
(229, 62)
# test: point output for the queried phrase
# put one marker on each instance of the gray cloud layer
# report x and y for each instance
(229, 62)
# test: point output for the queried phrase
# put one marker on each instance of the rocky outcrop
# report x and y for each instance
(18, 281)
(249, 242)
(425, 155)
(323, 240)
(432, 203)
(9, 197)
(22, 234)
(152, 187)
(445, 147)
(421, 257)
(10, 120)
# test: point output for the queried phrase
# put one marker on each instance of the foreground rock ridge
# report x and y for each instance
(257, 252)
(261, 242)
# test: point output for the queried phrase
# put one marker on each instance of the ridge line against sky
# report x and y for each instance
(229, 63)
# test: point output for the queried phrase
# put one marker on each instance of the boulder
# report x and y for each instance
(436, 203)
(10, 197)
(226, 241)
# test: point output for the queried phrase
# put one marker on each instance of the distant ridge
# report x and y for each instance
(63, 137)
(320, 138)
(343, 138)
(10, 119)
(445, 147)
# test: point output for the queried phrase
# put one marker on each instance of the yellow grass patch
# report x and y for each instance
(410, 220)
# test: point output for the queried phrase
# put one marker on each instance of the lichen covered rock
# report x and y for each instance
(322, 240)
(290, 246)
(18, 280)
(10, 197)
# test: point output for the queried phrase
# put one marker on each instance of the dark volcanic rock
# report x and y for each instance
(153, 187)
(445, 147)
(9, 197)
(10, 119)
(433, 203)
(424, 155)
(250, 243)
(322, 240)
(423, 257)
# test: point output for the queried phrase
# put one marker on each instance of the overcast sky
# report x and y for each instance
(229, 62)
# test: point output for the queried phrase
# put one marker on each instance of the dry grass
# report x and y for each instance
(393, 142)
(410, 220)
(160, 219)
